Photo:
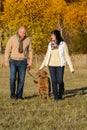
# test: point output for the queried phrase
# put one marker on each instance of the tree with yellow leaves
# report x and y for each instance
(42, 16)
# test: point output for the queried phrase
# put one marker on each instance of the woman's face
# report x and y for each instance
(53, 37)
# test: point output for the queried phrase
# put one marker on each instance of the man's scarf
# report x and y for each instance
(20, 49)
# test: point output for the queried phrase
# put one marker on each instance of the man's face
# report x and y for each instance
(22, 33)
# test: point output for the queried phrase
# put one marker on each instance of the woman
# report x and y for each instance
(56, 57)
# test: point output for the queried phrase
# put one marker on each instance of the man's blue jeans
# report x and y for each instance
(17, 70)
(56, 74)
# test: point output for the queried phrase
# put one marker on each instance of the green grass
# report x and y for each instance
(34, 113)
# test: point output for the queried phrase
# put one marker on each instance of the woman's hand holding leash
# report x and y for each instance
(73, 72)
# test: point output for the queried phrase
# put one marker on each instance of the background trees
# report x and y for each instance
(41, 17)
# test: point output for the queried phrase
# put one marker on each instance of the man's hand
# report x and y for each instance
(6, 63)
(29, 65)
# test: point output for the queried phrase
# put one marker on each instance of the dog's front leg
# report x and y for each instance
(47, 92)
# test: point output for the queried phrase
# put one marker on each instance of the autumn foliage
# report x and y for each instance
(41, 17)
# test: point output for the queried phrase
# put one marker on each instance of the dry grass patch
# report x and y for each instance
(33, 113)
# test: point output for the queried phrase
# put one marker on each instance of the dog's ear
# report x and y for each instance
(37, 73)
(35, 81)
(45, 72)
(40, 72)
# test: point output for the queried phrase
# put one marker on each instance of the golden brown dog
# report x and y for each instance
(44, 86)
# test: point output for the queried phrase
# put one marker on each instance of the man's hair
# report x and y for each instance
(21, 27)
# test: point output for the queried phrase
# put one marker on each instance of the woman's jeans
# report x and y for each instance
(56, 74)
(17, 72)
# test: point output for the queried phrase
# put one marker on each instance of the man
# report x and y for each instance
(18, 50)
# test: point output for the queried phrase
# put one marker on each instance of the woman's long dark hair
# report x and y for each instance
(58, 36)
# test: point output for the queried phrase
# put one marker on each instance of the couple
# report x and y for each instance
(56, 57)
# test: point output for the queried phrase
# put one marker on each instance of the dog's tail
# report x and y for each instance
(35, 81)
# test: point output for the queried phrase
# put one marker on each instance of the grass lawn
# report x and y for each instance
(33, 113)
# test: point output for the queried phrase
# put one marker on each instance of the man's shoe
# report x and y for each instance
(60, 96)
(13, 97)
(56, 98)
(19, 98)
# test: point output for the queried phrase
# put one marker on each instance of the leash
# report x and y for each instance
(30, 74)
